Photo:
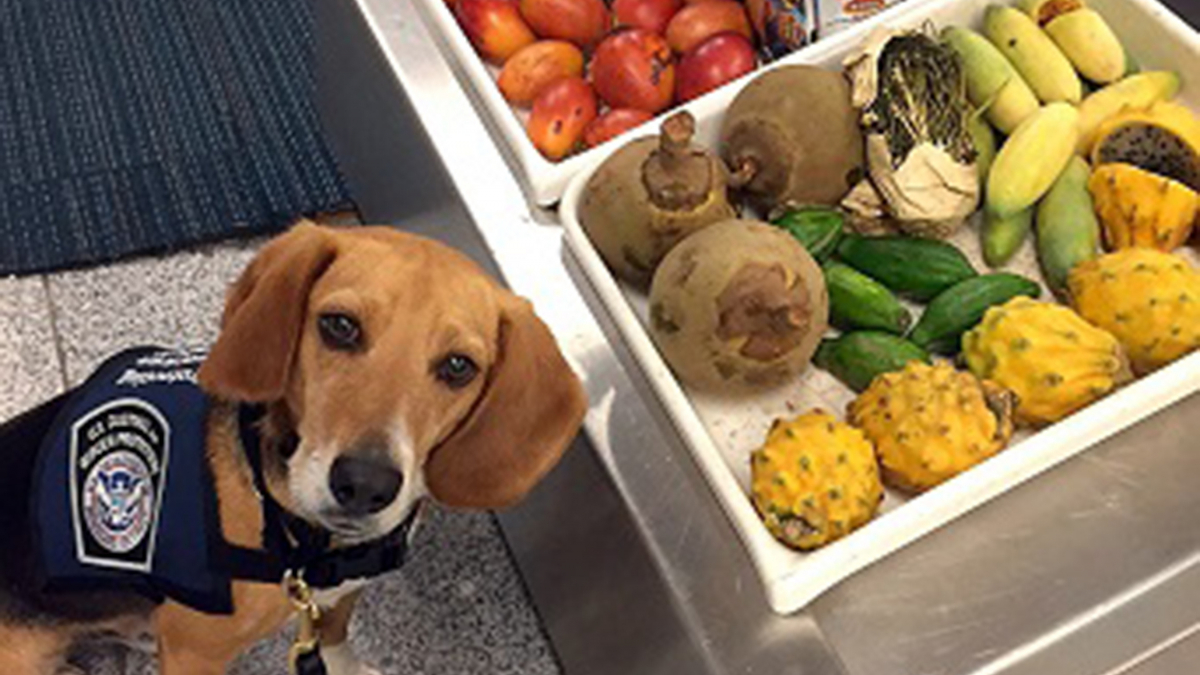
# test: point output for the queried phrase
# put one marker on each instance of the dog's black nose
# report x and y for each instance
(362, 485)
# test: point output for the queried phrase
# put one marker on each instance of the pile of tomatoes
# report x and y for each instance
(589, 72)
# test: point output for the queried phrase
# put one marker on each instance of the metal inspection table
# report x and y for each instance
(1091, 568)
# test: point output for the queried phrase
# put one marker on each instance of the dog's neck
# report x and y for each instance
(238, 499)
(278, 441)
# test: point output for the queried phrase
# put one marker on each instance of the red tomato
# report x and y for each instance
(495, 27)
(613, 123)
(719, 59)
(696, 23)
(560, 114)
(583, 22)
(634, 68)
(649, 14)
(531, 69)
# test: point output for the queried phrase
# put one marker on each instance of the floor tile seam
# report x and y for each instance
(60, 351)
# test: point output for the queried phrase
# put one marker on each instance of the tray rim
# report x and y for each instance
(792, 579)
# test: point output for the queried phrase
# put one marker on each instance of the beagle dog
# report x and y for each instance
(386, 369)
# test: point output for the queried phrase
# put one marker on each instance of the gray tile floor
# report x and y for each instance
(458, 606)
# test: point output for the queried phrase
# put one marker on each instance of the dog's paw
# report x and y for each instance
(340, 660)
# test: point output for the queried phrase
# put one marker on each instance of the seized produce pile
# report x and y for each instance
(1041, 123)
(588, 71)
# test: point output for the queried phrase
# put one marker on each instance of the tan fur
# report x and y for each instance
(482, 446)
(31, 650)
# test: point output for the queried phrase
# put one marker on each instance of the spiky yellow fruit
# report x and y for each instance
(814, 480)
(1141, 209)
(1053, 360)
(930, 423)
(1163, 139)
(1148, 299)
(1136, 92)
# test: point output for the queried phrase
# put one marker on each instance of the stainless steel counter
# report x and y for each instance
(1089, 569)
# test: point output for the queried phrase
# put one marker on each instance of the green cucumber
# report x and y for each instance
(960, 307)
(916, 268)
(1002, 236)
(1067, 230)
(818, 228)
(859, 357)
(858, 301)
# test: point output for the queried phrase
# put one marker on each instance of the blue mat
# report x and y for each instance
(135, 126)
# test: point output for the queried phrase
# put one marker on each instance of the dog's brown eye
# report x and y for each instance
(457, 371)
(340, 331)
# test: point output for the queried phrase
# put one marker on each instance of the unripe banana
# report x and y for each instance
(1090, 44)
(992, 82)
(1136, 92)
(1043, 11)
(1067, 229)
(1002, 237)
(1032, 158)
(984, 140)
(1034, 55)
(1084, 37)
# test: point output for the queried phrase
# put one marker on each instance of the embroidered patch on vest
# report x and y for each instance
(119, 455)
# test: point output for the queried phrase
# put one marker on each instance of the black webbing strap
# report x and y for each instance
(292, 544)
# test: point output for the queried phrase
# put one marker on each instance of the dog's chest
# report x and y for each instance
(328, 597)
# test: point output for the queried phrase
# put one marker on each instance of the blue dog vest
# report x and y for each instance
(123, 499)
(122, 496)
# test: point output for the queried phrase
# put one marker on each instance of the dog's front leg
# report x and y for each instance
(335, 648)
(195, 643)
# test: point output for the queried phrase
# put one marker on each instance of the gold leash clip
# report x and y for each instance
(308, 634)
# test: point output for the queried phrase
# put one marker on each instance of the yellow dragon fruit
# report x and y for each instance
(1148, 299)
(1141, 209)
(1053, 360)
(814, 480)
(930, 423)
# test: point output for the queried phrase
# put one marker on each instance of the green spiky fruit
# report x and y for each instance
(814, 480)
(930, 423)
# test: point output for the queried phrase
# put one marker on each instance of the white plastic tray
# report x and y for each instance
(544, 179)
(722, 432)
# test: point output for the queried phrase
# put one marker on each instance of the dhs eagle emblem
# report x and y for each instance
(119, 454)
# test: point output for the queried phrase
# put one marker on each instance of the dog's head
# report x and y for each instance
(404, 370)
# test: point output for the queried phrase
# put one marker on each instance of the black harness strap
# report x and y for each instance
(291, 544)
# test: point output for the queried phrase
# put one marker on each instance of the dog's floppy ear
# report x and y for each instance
(530, 410)
(264, 313)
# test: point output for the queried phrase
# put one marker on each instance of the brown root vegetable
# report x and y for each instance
(739, 305)
(649, 195)
(791, 136)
